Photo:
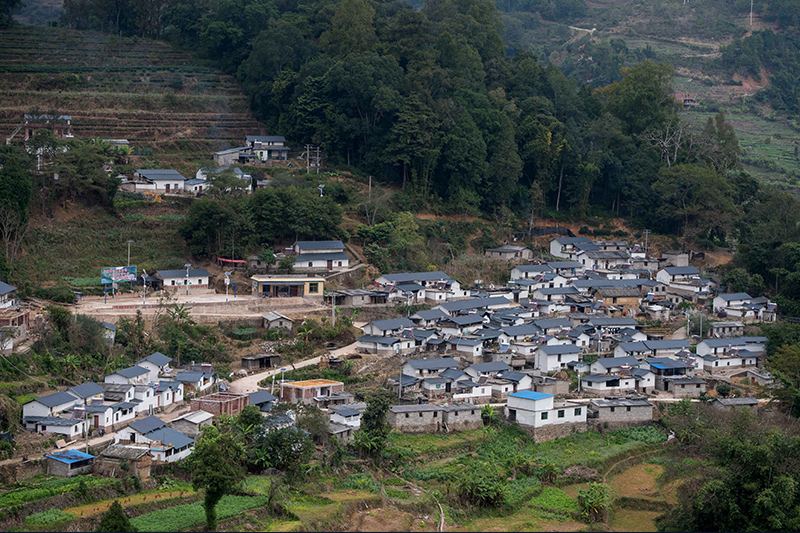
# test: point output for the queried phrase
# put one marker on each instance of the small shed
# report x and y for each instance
(221, 403)
(69, 463)
(261, 361)
(273, 320)
(136, 459)
(192, 424)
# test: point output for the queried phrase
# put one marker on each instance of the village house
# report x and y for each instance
(263, 400)
(109, 332)
(192, 278)
(311, 287)
(550, 385)
(118, 392)
(384, 346)
(69, 463)
(51, 405)
(60, 125)
(462, 417)
(612, 326)
(225, 158)
(719, 330)
(518, 380)
(675, 258)
(619, 413)
(529, 271)
(536, 411)
(603, 259)
(195, 186)
(196, 381)
(467, 390)
(670, 275)
(476, 371)
(510, 252)
(731, 404)
(392, 326)
(733, 299)
(133, 375)
(685, 386)
(333, 261)
(357, 297)
(627, 299)
(164, 443)
(721, 346)
(145, 398)
(268, 147)
(471, 305)
(613, 365)
(168, 393)
(471, 348)
(461, 325)
(644, 349)
(156, 364)
(569, 247)
(420, 368)
(158, 180)
(605, 384)
(428, 318)
(309, 391)
(730, 359)
(261, 361)
(87, 393)
(556, 357)
(425, 418)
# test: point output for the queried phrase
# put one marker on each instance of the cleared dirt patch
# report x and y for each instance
(101, 507)
(391, 519)
(638, 482)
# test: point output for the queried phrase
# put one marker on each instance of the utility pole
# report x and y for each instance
(308, 158)
(129, 251)
(333, 309)
(144, 288)
(187, 265)
(751, 12)
(646, 235)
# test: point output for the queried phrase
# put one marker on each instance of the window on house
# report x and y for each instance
(310, 264)
(456, 413)
(683, 386)
(578, 411)
(420, 415)
(628, 408)
(406, 415)
(313, 287)
(544, 416)
(435, 414)
(560, 413)
(612, 409)
(697, 386)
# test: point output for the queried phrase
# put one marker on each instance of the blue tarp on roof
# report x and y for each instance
(69, 456)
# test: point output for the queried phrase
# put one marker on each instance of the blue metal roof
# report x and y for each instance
(69, 456)
(530, 395)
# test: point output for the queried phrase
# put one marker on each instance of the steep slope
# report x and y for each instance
(158, 97)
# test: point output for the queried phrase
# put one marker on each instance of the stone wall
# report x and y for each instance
(555, 431)
(621, 414)
(416, 423)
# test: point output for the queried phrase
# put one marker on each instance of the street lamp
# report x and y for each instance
(144, 287)
(129, 251)
(320, 187)
(227, 282)
(188, 266)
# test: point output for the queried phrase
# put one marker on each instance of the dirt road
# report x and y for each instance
(250, 383)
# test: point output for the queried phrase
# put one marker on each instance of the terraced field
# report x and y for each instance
(145, 91)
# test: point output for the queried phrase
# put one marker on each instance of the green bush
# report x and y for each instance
(399, 494)
(594, 502)
(394, 482)
(50, 517)
(480, 488)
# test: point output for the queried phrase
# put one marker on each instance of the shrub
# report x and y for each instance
(476, 487)
(394, 482)
(594, 502)
(521, 490)
(399, 494)
(555, 499)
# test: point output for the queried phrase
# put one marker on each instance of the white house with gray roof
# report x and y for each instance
(421, 368)
(158, 180)
(554, 358)
(392, 326)
(156, 364)
(197, 277)
(133, 375)
(268, 147)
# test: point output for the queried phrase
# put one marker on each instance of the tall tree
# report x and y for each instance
(217, 468)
